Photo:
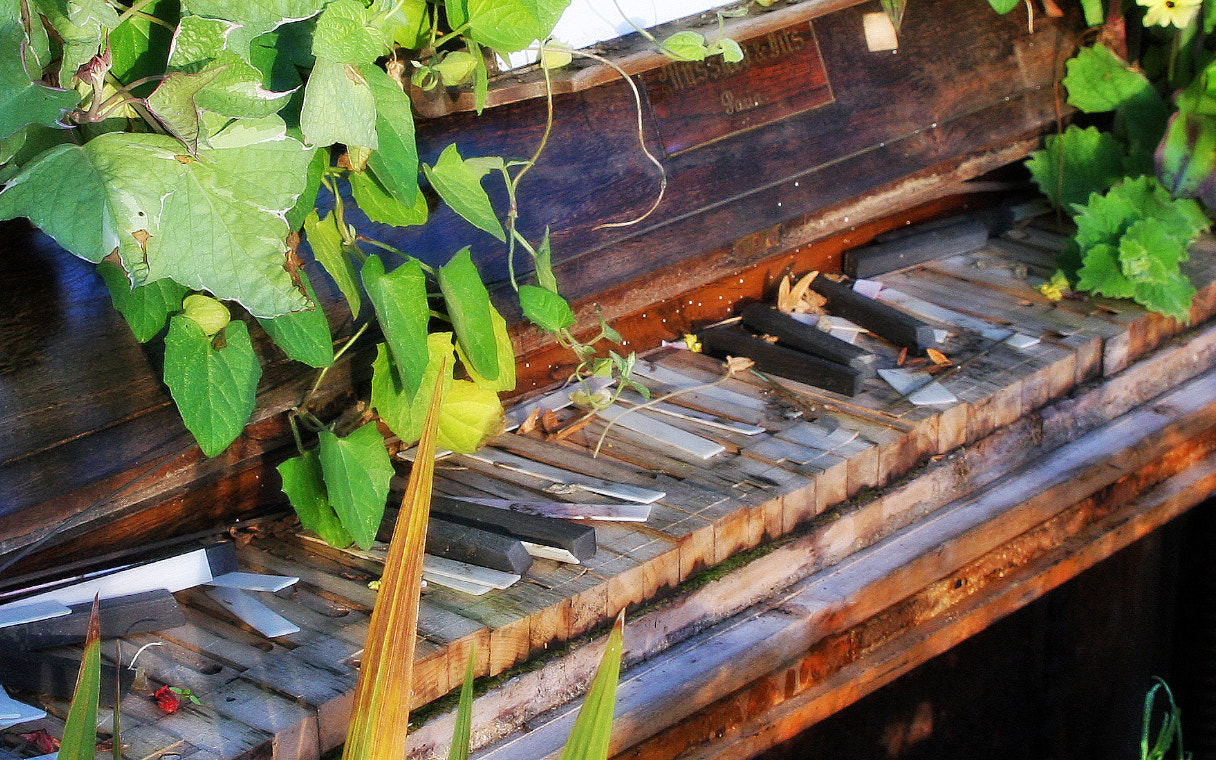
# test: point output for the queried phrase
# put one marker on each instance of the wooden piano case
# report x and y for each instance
(775, 581)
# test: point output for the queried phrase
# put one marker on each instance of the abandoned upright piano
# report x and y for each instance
(800, 546)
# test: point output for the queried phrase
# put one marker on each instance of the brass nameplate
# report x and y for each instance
(781, 74)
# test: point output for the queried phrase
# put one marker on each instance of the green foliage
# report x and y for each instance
(1130, 188)
(592, 732)
(1169, 732)
(184, 142)
(304, 484)
(1131, 242)
(1075, 164)
(79, 740)
(357, 472)
(213, 381)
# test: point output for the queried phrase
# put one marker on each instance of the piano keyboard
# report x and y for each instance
(726, 467)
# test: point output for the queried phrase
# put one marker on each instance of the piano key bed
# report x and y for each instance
(799, 548)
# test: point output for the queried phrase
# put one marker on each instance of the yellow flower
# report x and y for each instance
(1180, 13)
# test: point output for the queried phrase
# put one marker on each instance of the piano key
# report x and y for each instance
(252, 611)
(504, 460)
(882, 320)
(625, 512)
(136, 613)
(666, 435)
(576, 540)
(796, 334)
(476, 547)
(662, 373)
(253, 581)
(733, 340)
(442, 566)
(668, 409)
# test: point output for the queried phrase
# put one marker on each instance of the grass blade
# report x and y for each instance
(593, 728)
(464, 713)
(380, 716)
(80, 730)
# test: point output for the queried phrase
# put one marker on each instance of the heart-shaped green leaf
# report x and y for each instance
(357, 472)
(213, 382)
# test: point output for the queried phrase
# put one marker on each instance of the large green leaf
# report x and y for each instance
(173, 103)
(510, 25)
(304, 484)
(147, 307)
(470, 416)
(343, 34)
(303, 335)
(213, 382)
(23, 101)
(1149, 255)
(505, 380)
(79, 740)
(1186, 158)
(544, 308)
(213, 222)
(339, 106)
(1076, 163)
(307, 201)
(458, 182)
(357, 474)
(399, 298)
(238, 89)
(395, 162)
(469, 308)
(329, 247)
(253, 17)
(1098, 80)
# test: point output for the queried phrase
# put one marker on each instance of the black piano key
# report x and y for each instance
(884, 321)
(119, 616)
(476, 547)
(803, 337)
(958, 236)
(733, 340)
(579, 540)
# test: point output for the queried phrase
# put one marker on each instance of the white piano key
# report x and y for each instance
(18, 613)
(253, 581)
(625, 492)
(681, 413)
(554, 400)
(921, 388)
(541, 551)
(442, 567)
(13, 712)
(257, 615)
(927, 310)
(457, 584)
(172, 574)
(660, 374)
(663, 434)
